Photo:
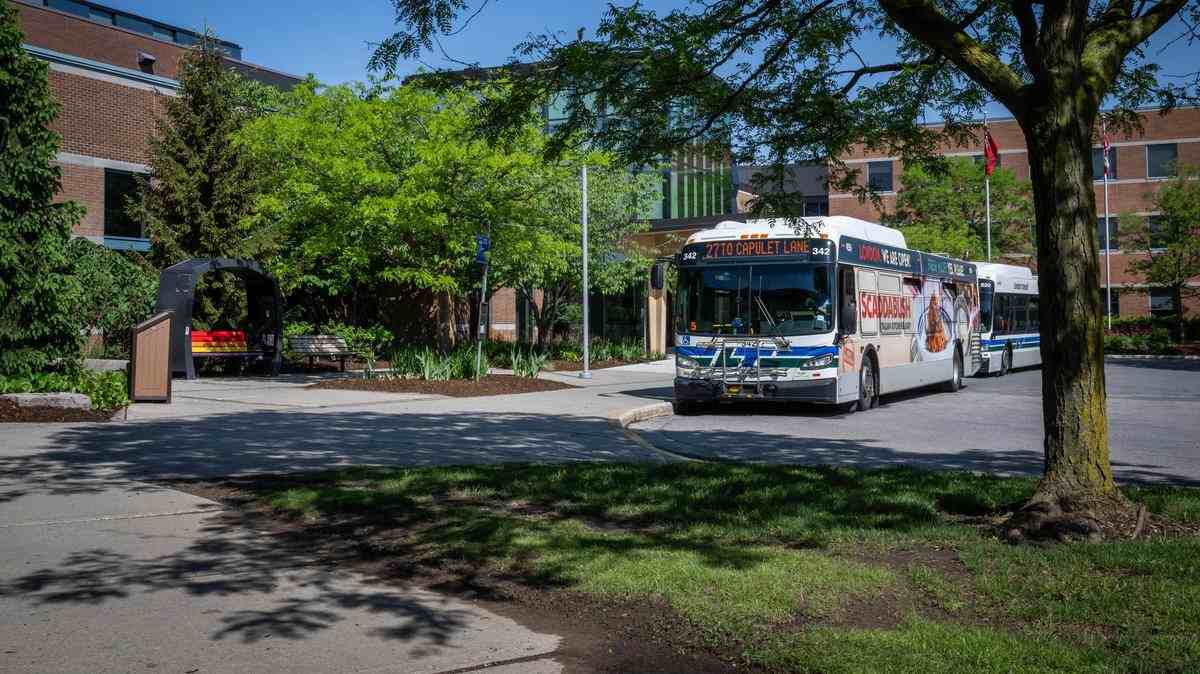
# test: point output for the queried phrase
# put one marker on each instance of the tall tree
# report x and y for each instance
(944, 209)
(1170, 241)
(37, 292)
(790, 81)
(388, 187)
(542, 252)
(202, 187)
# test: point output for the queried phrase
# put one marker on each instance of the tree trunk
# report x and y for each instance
(1074, 405)
(445, 321)
(1180, 326)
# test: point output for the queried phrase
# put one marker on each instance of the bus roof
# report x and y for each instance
(1009, 277)
(831, 227)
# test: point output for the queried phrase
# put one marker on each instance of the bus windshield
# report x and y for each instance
(986, 292)
(763, 299)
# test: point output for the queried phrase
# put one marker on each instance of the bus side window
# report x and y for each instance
(1000, 308)
(1034, 318)
(1020, 309)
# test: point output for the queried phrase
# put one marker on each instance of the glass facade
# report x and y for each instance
(105, 15)
(697, 181)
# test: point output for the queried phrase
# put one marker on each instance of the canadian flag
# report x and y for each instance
(991, 152)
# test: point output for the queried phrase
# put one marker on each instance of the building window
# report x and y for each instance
(1111, 242)
(1114, 306)
(136, 25)
(982, 159)
(1155, 225)
(1098, 163)
(1161, 302)
(879, 176)
(816, 206)
(119, 229)
(69, 6)
(1161, 159)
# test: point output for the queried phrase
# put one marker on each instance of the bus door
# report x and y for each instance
(847, 333)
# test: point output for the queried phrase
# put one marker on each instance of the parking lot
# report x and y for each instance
(994, 424)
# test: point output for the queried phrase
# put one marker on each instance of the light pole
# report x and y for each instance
(585, 373)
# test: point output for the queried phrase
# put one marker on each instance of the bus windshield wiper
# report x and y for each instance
(779, 339)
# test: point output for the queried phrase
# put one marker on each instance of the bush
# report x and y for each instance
(430, 364)
(1159, 341)
(526, 362)
(117, 293)
(108, 390)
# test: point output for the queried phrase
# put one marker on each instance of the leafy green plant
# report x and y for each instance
(368, 342)
(39, 324)
(107, 390)
(527, 362)
(117, 294)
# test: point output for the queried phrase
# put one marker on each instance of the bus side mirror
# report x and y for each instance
(658, 276)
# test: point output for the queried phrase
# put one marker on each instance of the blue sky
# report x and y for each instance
(332, 39)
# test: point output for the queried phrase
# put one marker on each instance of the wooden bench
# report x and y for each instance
(317, 346)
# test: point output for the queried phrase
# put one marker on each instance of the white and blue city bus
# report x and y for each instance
(1008, 300)
(832, 310)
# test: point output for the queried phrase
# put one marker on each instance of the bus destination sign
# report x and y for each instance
(878, 255)
(798, 250)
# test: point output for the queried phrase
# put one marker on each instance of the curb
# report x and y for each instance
(623, 420)
(1149, 357)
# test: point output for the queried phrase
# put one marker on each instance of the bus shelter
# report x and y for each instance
(263, 338)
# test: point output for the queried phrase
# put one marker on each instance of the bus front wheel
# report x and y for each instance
(1006, 361)
(868, 391)
(955, 382)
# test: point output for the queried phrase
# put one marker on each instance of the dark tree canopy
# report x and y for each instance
(38, 326)
(804, 80)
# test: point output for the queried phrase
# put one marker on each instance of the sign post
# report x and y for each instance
(586, 373)
(483, 244)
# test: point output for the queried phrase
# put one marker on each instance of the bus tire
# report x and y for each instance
(1006, 360)
(868, 385)
(684, 408)
(956, 375)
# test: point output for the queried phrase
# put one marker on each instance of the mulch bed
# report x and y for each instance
(491, 385)
(11, 413)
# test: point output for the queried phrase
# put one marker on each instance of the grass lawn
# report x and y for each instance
(790, 568)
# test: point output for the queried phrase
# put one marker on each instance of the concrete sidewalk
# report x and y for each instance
(101, 570)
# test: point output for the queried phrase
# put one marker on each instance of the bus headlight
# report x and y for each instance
(819, 362)
(687, 367)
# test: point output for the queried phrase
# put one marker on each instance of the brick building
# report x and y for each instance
(1141, 163)
(111, 71)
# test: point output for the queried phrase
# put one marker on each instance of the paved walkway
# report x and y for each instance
(103, 571)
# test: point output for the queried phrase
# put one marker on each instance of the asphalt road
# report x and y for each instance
(993, 424)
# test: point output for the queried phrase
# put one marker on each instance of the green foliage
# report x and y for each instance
(433, 365)
(526, 362)
(107, 390)
(1171, 242)
(116, 293)
(204, 185)
(1142, 325)
(1156, 341)
(369, 342)
(943, 210)
(38, 294)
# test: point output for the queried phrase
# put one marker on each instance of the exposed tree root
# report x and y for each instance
(1051, 517)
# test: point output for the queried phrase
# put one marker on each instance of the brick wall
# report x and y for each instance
(105, 119)
(87, 39)
(85, 185)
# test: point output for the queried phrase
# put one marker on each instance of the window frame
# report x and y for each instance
(1114, 234)
(1175, 161)
(1161, 312)
(891, 174)
(113, 239)
(1098, 163)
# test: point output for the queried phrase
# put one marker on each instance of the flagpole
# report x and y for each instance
(1107, 248)
(987, 188)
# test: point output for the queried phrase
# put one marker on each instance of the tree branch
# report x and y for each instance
(924, 21)
(1117, 33)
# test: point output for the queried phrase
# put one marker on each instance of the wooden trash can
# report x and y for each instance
(150, 365)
